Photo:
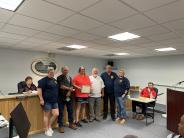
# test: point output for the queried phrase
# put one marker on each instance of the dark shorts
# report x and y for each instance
(49, 106)
(81, 100)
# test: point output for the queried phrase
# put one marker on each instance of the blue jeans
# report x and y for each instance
(61, 110)
(121, 107)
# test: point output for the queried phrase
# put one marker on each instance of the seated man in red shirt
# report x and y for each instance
(148, 92)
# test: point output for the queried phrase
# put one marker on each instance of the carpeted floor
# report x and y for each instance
(109, 129)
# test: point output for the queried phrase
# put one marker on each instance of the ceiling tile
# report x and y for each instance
(5, 15)
(1, 25)
(36, 41)
(24, 21)
(108, 11)
(60, 30)
(133, 22)
(153, 30)
(74, 5)
(143, 5)
(104, 30)
(167, 13)
(85, 37)
(175, 25)
(138, 41)
(43, 10)
(48, 36)
(8, 40)
(71, 41)
(18, 30)
(12, 36)
(80, 22)
(27, 44)
(173, 41)
(162, 37)
(105, 41)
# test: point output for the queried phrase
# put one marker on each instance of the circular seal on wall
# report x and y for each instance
(40, 66)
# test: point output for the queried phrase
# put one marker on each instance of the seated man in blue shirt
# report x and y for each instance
(48, 94)
(121, 88)
(108, 77)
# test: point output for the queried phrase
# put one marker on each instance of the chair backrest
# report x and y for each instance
(156, 90)
(21, 86)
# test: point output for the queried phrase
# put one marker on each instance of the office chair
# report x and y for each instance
(21, 86)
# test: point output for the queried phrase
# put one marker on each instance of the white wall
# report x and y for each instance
(15, 65)
(161, 70)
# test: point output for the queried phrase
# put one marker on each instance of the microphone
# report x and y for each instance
(180, 82)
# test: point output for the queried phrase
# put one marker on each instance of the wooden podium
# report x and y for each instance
(175, 109)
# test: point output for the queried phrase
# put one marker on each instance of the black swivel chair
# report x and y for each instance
(21, 86)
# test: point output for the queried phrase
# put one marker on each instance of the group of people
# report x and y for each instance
(55, 94)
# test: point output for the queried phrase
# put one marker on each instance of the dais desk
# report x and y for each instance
(31, 105)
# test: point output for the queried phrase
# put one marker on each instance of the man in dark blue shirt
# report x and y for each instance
(48, 94)
(121, 88)
(108, 77)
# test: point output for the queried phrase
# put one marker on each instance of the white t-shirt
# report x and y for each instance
(97, 84)
(171, 136)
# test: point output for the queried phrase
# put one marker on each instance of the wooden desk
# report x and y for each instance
(31, 106)
(33, 109)
(175, 109)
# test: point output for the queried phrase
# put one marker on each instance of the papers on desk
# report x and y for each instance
(3, 122)
(85, 89)
(142, 99)
(35, 92)
(30, 92)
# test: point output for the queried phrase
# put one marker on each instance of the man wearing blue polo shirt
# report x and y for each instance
(108, 77)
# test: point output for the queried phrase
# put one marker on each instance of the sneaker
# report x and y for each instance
(61, 130)
(48, 133)
(122, 121)
(51, 130)
(78, 124)
(72, 126)
(85, 121)
(117, 120)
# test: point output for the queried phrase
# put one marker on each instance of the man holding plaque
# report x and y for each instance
(82, 85)
(97, 92)
(108, 77)
(65, 98)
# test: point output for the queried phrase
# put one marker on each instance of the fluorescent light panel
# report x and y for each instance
(124, 36)
(121, 54)
(76, 46)
(165, 49)
(11, 5)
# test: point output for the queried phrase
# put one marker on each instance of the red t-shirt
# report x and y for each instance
(80, 80)
(146, 92)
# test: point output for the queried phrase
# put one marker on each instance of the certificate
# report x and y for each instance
(85, 89)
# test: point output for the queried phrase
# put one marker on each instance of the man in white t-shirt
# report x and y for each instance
(97, 92)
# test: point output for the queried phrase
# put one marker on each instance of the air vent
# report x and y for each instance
(110, 55)
(66, 49)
